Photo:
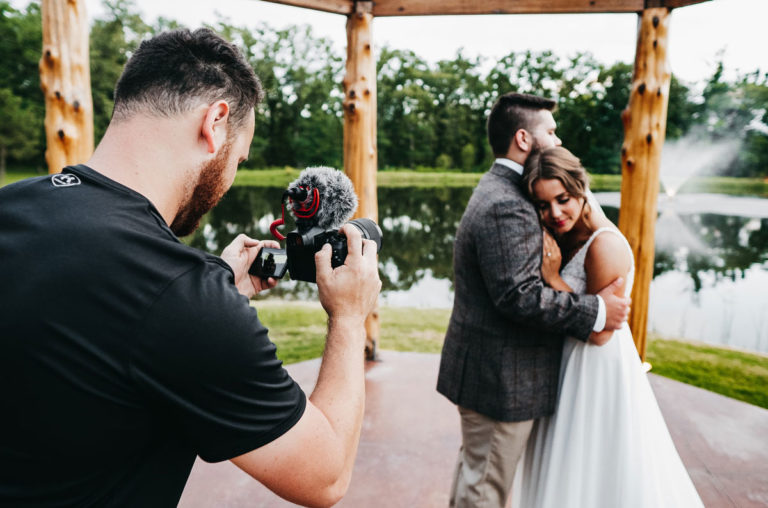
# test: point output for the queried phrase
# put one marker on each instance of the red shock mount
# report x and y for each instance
(303, 212)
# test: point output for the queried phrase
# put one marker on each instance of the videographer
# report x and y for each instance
(124, 353)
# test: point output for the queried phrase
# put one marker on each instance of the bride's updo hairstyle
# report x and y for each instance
(558, 163)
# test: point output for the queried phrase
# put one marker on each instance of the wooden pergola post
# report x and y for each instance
(645, 122)
(360, 153)
(65, 78)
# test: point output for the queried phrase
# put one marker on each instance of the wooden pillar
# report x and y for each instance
(360, 129)
(65, 78)
(645, 121)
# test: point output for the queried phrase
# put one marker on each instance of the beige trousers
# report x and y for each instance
(488, 458)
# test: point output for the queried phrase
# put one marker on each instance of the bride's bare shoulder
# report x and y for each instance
(608, 255)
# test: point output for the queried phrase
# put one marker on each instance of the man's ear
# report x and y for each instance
(215, 123)
(523, 140)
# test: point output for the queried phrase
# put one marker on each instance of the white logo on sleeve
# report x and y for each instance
(64, 180)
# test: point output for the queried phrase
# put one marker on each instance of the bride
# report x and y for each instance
(607, 444)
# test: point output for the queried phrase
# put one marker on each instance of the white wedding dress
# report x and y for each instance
(607, 445)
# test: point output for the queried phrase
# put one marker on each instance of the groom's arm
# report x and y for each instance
(509, 253)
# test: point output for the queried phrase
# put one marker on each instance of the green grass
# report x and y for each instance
(735, 374)
(15, 176)
(605, 183)
(703, 184)
(277, 177)
(727, 185)
(281, 177)
(598, 183)
(298, 329)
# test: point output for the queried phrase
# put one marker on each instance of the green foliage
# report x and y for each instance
(18, 131)
(444, 161)
(300, 121)
(589, 113)
(428, 114)
(111, 42)
(22, 133)
(468, 157)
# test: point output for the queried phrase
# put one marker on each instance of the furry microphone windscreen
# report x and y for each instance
(338, 200)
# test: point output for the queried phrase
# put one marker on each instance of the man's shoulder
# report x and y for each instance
(500, 180)
(497, 189)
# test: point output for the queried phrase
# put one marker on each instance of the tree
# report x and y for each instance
(752, 160)
(111, 41)
(18, 130)
(406, 132)
(22, 132)
(681, 110)
(300, 121)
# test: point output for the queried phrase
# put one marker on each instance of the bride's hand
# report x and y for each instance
(551, 260)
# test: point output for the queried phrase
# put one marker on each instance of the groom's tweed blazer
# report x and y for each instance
(502, 351)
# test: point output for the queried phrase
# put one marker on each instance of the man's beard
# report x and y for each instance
(534, 145)
(208, 190)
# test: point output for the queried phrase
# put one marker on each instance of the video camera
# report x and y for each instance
(321, 199)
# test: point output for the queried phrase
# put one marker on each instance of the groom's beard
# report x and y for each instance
(208, 190)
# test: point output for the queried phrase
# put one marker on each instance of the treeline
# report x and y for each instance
(429, 115)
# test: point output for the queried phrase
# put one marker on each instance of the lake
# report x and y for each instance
(710, 270)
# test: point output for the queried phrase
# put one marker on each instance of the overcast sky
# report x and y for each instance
(698, 33)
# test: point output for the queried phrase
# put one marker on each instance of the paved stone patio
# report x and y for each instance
(411, 435)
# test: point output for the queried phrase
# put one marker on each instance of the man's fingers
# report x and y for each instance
(369, 248)
(323, 267)
(354, 243)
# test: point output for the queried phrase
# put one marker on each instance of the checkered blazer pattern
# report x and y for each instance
(501, 355)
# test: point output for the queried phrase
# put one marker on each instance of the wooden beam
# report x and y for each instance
(345, 7)
(360, 152)
(65, 78)
(645, 122)
(438, 7)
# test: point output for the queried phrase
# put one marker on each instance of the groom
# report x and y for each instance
(501, 358)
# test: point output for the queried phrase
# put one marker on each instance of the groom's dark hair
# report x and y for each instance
(512, 112)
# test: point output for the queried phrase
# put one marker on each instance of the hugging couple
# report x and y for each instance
(538, 356)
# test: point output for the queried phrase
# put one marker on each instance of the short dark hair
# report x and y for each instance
(172, 71)
(512, 112)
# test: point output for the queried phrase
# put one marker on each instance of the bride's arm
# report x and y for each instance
(607, 259)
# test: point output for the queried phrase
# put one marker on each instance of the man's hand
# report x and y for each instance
(240, 254)
(351, 290)
(616, 305)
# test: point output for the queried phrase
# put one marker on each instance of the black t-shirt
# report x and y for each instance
(123, 352)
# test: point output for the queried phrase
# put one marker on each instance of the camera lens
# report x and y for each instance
(369, 230)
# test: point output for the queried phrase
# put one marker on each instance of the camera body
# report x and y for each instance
(301, 249)
(298, 257)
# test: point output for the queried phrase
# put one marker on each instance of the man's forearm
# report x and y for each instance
(340, 390)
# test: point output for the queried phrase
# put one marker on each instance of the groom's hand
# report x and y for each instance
(616, 304)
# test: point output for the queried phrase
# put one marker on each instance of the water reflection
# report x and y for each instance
(699, 256)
